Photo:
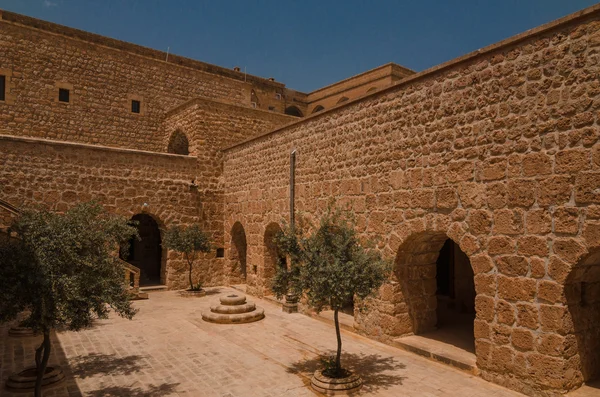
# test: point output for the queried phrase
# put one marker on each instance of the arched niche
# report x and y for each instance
(318, 108)
(293, 111)
(273, 259)
(179, 143)
(239, 248)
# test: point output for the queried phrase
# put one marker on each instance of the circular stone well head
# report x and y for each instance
(233, 299)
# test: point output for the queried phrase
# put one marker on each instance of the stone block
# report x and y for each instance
(516, 288)
(538, 221)
(512, 265)
(508, 222)
(566, 220)
(522, 339)
(533, 246)
(536, 164)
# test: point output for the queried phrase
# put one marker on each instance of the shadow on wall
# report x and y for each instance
(377, 372)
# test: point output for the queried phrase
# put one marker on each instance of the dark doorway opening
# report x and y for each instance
(582, 292)
(146, 253)
(273, 259)
(455, 296)
(438, 296)
(239, 247)
(293, 111)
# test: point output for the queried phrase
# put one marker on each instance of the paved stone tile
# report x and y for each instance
(167, 350)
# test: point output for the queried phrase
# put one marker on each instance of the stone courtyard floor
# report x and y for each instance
(167, 350)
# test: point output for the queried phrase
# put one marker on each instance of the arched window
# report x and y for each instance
(343, 99)
(293, 111)
(179, 144)
(318, 108)
(371, 89)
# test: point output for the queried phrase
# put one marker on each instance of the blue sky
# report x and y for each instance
(305, 44)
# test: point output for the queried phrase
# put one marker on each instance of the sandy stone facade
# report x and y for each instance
(497, 151)
(480, 178)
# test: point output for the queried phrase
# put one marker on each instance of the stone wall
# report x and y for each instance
(209, 127)
(498, 151)
(356, 86)
(104, 76)
(59, 175)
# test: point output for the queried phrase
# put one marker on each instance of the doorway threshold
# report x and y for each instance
(430, 346)
(153, 288)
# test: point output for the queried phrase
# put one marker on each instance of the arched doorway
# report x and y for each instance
(293, 111)
(238, 253)
(437, 283)
(146, 253)
(273, 259)
(179, 144)
(582, 292)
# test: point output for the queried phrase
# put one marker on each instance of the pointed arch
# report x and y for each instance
(239, 248)
(293, 111)
(343, 99)
(273, 259)
(318, 108)
(178, 143)
(582, 295)
(146, 253)
(437, 283)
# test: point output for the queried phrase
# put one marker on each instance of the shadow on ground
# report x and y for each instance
(213, 291)
(376, 371)
(118, 391)
(105, 364)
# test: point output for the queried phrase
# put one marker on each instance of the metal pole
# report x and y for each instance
(292, 183)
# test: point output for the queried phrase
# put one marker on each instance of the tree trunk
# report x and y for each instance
(338, 365)
(41, 366)
(190, 272)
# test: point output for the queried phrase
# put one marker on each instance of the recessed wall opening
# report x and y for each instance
(437, 283)
(455, 293)
(293, 111)
(238, 252)
(179, 144)
(273, 259)
(582, 291)
(63, 95)
(343, 99)
(318, 109)
(135, 106)
(2, 88)
(146, 253)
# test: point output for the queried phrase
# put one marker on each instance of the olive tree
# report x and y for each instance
(63, 268)
(331, 266)
(188, 241)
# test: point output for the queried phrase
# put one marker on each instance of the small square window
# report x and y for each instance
(220, 252)
(2, 88)
(135, 106)
(63, 95)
